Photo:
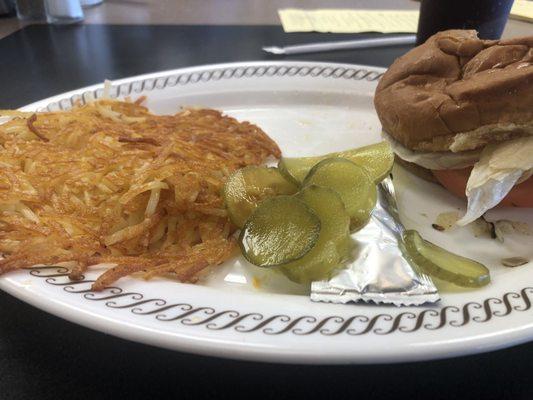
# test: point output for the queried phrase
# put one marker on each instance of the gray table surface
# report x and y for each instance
(226, 12)
(44, 357)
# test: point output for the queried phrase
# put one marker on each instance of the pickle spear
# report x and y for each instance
(437, 262)
(376, 159)
(247, 187)
(334, 243)
(351, 182)
(280, 230)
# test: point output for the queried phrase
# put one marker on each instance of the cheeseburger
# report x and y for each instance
(459, 110)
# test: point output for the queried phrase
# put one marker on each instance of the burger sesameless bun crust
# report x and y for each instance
(457, 92)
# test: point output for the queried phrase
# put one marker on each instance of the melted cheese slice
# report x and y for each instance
(500, 168)
(434, 159)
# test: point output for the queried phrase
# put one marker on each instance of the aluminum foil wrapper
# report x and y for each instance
(379, 272)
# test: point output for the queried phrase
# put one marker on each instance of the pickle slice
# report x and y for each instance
(376, 159)
(351, 182)
(334, 243)
(442, 264)
(247, 187)
(280, 230)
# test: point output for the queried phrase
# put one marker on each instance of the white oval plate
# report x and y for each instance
(308, 108)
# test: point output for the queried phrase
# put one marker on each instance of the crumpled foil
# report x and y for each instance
(379, 272)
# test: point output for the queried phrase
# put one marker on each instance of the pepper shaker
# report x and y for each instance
(30, 10)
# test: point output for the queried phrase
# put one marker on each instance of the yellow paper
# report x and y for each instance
(522, 9)
(348, 20)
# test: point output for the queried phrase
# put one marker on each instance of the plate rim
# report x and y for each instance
(206, 346)
(370, 73)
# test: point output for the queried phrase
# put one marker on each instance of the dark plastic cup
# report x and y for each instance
(488, 17)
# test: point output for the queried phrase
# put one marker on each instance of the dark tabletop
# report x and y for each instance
(44, 357)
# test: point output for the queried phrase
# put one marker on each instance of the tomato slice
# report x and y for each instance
(455, 181)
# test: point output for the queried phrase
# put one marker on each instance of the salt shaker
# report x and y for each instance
(63, 11)
(90, 3)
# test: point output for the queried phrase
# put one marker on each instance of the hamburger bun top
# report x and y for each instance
(457, 92)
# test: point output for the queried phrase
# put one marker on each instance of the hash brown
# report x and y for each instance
(110, 182)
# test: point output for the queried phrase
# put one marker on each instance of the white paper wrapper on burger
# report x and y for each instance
(499, 169)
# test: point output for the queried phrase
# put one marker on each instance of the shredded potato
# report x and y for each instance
(109, 182)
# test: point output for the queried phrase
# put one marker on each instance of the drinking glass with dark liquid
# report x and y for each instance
(488, 17)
